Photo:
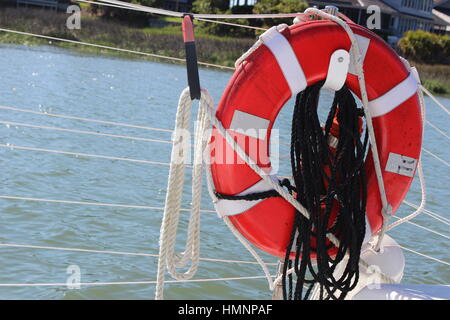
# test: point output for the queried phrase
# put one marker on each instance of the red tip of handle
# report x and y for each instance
(188, 29)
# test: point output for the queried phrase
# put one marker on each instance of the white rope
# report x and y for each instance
(434, 99)
(286, 195)
(232, 24)
(252, 251)
(29, 125)
(6, 197)
(167, 256)
(98, 156)
(113, 48)
(429, 213)
(100, 204)
(81, 154)
(170, 221)
(425, 256)
(142, 254)
(421, 175)
(358, 64)
(64, 116)
(140, 10)
(18, 124)
(437, 129)
(61, 284)
(196, 15)
(419, 210)
(425, 228)
(436, 157)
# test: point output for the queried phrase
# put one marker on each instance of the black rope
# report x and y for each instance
(340, 190)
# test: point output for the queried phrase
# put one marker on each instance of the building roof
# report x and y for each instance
(385, 8)
(442, 6)
(441, 18)
(442, 3)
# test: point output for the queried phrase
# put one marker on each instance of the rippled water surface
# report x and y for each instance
(141, 93)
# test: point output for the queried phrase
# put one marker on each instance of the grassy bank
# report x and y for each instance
(163, 41)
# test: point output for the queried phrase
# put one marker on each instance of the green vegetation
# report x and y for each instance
(431, 52)
(115, 27)
(436, 87)
(262, 6)
(163, 40)
(426, 47)
(279, 6)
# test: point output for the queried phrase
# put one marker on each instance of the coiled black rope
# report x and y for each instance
(335, 198)
(340, 190)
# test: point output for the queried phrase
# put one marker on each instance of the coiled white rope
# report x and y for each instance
(167, 256)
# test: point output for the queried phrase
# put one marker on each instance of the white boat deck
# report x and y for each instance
(404, 292)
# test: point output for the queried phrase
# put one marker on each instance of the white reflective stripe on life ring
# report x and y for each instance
(249, 124)
(286, 58)
(233, 207)
(394, 97)
(363, 44)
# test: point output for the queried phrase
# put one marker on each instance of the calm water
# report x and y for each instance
(142, 93)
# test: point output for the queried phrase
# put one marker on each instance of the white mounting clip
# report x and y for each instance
(337, 70)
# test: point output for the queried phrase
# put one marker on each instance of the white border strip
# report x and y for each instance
(286, 58)
(394, 97)
(249, 124)
(363, 44)
(233, 207)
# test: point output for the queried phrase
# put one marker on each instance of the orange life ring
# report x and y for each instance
(289, 60)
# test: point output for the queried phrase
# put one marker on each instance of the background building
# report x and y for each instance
(442, 11)
(397, 16)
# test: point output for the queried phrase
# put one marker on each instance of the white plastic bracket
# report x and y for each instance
(337, 70)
